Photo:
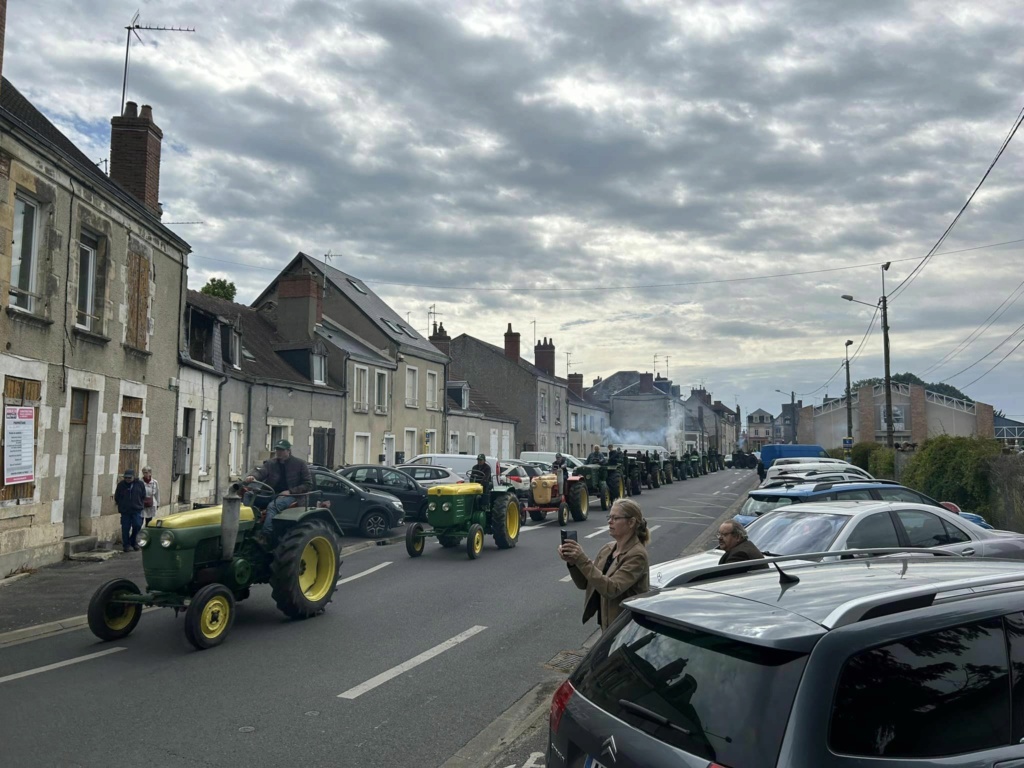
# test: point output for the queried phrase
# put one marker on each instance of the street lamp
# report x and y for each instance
(849, 404)
(792, 414)
(884, 303)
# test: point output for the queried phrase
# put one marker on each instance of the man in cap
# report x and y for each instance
(130, 497)
(481, 472)
(558, 466)
(289, 477)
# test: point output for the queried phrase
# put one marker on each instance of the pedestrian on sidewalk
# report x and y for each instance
(151, 504)
(762, 473)
(129, 495)
(621, 568)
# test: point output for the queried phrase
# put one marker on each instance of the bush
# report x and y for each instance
(837, 453)
(882, 463)
(954, 469)
(860, 454)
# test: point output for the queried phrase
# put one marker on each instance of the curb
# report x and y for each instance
(16, 636)
(11, 579)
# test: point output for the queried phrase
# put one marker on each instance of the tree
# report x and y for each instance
(221, 288)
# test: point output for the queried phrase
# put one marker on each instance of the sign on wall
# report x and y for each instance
(19, 445)
(899, 418)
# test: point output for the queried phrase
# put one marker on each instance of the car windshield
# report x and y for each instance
(730, 699)
(758, 505)
(791, 532)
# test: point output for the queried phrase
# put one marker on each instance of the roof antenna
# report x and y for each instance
(786, 578)
(133, 27)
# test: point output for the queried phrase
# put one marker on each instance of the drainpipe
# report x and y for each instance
(217, 461)
(248, 424)
(344, 406)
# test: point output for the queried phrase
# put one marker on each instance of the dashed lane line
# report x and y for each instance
(598, 532)
(526, 528)
(59, 664)
(415, 661)
(360, 575)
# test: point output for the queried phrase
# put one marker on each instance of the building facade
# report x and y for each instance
(760, 429)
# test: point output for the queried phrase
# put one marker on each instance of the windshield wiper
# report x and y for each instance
(653, 717)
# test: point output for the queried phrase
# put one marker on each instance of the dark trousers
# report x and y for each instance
(131, 524)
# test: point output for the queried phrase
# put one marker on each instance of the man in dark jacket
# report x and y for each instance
(130, 497)
(595, 456)
(289, 477)
(481, 473)
(732, 538)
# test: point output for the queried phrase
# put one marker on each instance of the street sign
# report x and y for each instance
(847, 442)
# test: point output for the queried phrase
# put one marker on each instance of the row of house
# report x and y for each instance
(764, 429)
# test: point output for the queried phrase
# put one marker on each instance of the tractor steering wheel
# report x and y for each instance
(257, 487)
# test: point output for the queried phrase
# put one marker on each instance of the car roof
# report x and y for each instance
(759, 607)
(815, 487)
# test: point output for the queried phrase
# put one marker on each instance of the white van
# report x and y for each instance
(457, 462)
(776, 470)
(548, 457)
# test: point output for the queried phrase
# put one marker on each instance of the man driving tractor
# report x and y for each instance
(595, 456)
(481, 473)
(289, 477)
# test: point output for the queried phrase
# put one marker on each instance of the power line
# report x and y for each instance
(867, 333)
(986, 373)
(997, 346)
(916, 271)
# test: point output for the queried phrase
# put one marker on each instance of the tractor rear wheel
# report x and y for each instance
(414, 540)
(606, 498)
(635, 482)
(505, 521)
(304, 572)
(475, 541)
(209, 616)
(579, 502)
(448, 542)
(109, 620)
(668, 476)
(654, 479)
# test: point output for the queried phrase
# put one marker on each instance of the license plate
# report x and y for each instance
(592, 763)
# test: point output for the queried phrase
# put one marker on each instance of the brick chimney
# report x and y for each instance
(135, 155)
(544, 356)
(440, 339)
(300, 306)
(511, 344)
(598, 380)
(646, 383)
(576, 384)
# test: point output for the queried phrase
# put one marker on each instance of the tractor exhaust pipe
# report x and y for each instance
(231, 508)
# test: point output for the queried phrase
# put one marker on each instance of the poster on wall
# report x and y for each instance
(899, 418)
(19, 445)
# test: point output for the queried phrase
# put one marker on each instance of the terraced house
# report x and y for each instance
(94, 287)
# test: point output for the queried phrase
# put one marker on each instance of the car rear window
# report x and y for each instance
(791, 532)
(759, 505)
(732, 699)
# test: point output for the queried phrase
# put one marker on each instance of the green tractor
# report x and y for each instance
(595, 476)
(204, 561)
(466, 512)
(634, 475)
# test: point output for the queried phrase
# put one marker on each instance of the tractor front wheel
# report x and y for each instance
(563, 514)
(579, 502)
(606, 497)
(110, 620)
(304, 572)
(475, 541)
(209, 616)
(505, 521)
(414, 540)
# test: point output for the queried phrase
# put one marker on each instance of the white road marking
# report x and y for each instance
(415, 661)
(535, 527)
(360, 575)
(716, 493)
(567, 578)
(598, 532)
(59, 664)
(654, 528)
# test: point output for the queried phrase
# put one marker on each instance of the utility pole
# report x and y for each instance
(885, 345)
(849, 403)
(792, 416)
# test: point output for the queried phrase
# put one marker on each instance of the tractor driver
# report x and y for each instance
(289, 477)
(595, 457)
(481, 472)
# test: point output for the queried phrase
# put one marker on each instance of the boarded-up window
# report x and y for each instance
(131, 435)
(136, 332)
(323, 446)
(25, 392)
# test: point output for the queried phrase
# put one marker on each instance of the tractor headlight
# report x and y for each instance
(432, 506)
(166, 539)
(143, 538)
(446, 506)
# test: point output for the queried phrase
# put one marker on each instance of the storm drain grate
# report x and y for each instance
(565, 661)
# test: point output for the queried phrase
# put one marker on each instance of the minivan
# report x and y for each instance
(459, 462)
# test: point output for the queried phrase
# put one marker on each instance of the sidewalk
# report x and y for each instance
(61, 592)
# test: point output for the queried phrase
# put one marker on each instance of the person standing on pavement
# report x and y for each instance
(762, 473)
(621, 568)
(288, 475)
(151, 504)
(733, 541)
(129, 495)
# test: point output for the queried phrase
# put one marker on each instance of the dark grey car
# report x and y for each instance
(889, 661)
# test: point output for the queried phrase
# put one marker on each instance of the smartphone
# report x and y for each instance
(568, 535)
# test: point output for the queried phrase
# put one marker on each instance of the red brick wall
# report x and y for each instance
(135, 155)
(985, 420)
(544, 356)
(302, 287)
(866, 414)
(918, 415)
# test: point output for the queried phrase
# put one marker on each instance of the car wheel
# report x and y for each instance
(375, 524)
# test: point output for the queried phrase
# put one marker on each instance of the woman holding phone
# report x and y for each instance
(621, 568)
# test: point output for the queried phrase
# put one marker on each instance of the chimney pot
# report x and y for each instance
(131, 109)
(146, 113)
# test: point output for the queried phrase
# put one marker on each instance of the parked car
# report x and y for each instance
(806, 469)
(460, 462)
(839, 525)
(428, 475)
(391, 480)
(897, 661)
(372, 513)
(547, 457)
(763, 500)
(518, 475)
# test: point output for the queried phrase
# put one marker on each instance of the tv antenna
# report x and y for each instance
(432, 315)
(656, 356)
(133, 29)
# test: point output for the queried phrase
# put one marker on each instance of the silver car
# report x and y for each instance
(429, 474)
(839, 525)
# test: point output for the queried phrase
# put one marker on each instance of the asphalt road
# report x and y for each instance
(412, 660)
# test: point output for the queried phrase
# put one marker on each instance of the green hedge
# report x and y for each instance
(860, 454)
(837, 453)
(954, 469)
(882, 463)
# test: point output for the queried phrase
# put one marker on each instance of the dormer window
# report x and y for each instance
(357, 286)
(319, 369)
(231, 346)
(465, 398)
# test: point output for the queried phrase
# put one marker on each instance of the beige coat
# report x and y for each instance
(628, 575)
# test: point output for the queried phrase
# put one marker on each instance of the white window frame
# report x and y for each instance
(17, 298)
(361, 389)
(236, 442)
(380, 404)
(89, 281)
(409, 445)
(453, 442)
(205, 427)
(236, 350)
(412, 377)
(432, 399)
(286, 427)
(558, 409)
(356, 438)
(389, 449)
(471, 444)
(543, 408)
(574, 422)
(318, 369)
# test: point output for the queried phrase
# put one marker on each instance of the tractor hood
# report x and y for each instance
(462, 489)
(197, 517)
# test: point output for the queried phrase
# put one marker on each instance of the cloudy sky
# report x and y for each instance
(692, 182)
